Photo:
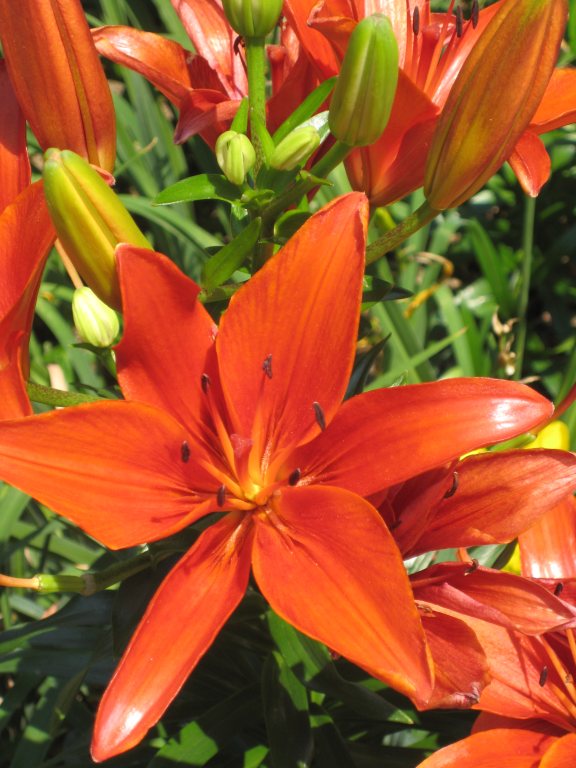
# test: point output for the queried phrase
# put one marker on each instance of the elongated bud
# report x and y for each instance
(295, 149)
(493, 98)
(58, 78)
(96, 322)
(252, 18)
(235, 155)
(90, 221)
(366, 86)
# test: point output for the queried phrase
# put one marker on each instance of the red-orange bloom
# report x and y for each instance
(248, 421)
(433, 48)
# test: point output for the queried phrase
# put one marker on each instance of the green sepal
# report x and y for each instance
(223, 264)
(204, 186)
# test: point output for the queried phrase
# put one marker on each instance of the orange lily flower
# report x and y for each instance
(433, 48)
(14, 163)
(207, 87)
(247, 421)
(58, 79)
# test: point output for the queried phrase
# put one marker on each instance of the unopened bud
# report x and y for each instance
(90, 221)
(366, 86)
(295, 149)
(235, 155)
(252, 18)
(96, 322)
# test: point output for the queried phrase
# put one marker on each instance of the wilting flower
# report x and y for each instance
(207, 87)
(58, 78)
(247, 421)
(433, 48)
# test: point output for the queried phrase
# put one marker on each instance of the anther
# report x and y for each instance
(454, 487)
(474, 13)
(221, 496)
(185, 451)
(319, 414)
(294, 477)
(267, 366)
(474, 565)
(459, 21)
(558, 588)
(543, 676)
(416, 21)
(205, 381)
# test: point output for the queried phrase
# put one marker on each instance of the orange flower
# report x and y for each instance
(248, 422)
(57, 77)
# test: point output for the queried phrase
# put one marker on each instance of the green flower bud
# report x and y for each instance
(235, 155)
(96, 322)
(252, 18)
(90, 221)
(295, 149)
(366, 86)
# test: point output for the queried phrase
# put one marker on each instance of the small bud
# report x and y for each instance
(493, 98)
(366, 86)
(295, 149)
(96, 322)
(235, 155)
(90, 221)
(252, 18)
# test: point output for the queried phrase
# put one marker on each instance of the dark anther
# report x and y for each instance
(267, 366)
(558, 588)
(543, 676)
(221, 496)
(459, 21)
(474, 565)
(474, 13)
(454, 487)
(185, 451)
(205, 380)
(238, 43)
(294, 477)
(416, 20)
(319, 414)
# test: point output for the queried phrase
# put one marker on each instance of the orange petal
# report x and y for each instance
(285, 318)
(14, 163)
(558, 105)
(531, 163)
(167, 336)
(499, 495)
(207, 112)
(314, 43)
(383, 437)
(561, 754)
(548, 548)
(113, 468)
(179, 626)
(326, 562)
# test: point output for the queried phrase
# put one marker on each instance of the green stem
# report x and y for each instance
(527, 255)
(403, 231)
(256, 66)
(307, 181)
(48, 396)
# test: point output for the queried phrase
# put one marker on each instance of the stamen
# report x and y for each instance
(474, 13)
(543, 676)
(319, 415)
(474, 565)
(558, 588)
(267, 366)
(416, 20)
(221, 496)
(185, 451)
(205, 381)
(459, 21)
(294, 477)
(454, 487)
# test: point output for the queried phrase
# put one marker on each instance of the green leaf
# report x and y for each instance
(240, 122)
(223, 264)
(205, 186)
(304, 111)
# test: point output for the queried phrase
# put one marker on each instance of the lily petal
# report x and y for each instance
(326, 563)
(498, 497)
(161, 363)
(14, 163)
(561, 753)
(426, 425)
(179, 625)
(531, 163)
(113, 468)
(299, 313)
(557, 107)
(548, 548)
